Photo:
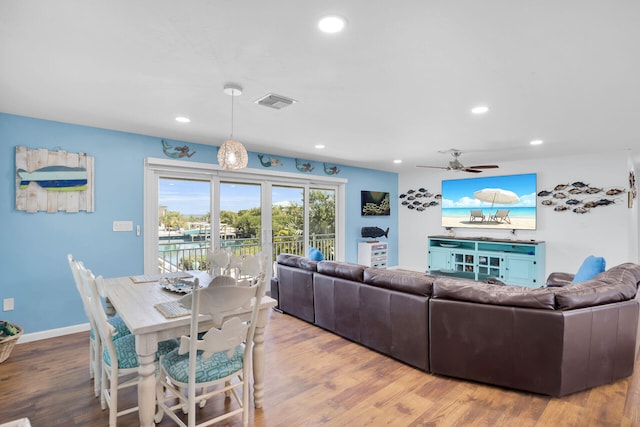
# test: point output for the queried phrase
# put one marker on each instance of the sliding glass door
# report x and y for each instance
(193, 209)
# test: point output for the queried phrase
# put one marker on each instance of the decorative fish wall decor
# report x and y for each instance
(584, 197)
(53, 181)
(272, 162)
(419, 200)
(55, 178)
(374, 232)
(178, 152)
(304, 167)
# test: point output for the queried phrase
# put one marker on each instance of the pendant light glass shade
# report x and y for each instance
(232, 155)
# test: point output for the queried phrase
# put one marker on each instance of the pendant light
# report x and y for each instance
(232, 154)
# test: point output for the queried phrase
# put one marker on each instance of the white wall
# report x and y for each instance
(608, 231)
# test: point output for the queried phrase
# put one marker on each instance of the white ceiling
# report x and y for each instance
(398, 83)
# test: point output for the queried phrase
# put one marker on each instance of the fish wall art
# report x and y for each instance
(419, 200)
(53, 181)
(579, 197)
(176, 152)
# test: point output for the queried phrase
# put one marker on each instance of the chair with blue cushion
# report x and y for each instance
(77, 268)
(221, 358)
(119, 361)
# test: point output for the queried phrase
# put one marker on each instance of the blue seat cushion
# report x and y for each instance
(126, 351)
(591, 267)
(117, 322)
(211, 369)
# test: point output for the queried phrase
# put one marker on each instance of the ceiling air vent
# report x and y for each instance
(275, 101)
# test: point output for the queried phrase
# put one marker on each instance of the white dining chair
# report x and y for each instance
(95, 362)
(222, 358)
(119, 361)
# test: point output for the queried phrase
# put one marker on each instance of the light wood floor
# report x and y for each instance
(313, 378)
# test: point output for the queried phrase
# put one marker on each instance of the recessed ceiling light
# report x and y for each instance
(397, 161)
(480, 109)
(536, 142)
(331, 24)
(319, 146)
(182, 119)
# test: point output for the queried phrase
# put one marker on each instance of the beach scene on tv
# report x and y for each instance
(507, 201)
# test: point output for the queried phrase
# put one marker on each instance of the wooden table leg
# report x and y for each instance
(258, 358)
(146, 347)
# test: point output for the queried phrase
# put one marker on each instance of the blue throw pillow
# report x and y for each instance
(315, 254)
(591, 267)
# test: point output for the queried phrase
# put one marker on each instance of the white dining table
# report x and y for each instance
(135, 302)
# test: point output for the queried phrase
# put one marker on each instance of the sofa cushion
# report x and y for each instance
(590, 267)
(619, 283)
(485, 293)
(297, 261)
(315, 254)
(412, 282)
(343, 270)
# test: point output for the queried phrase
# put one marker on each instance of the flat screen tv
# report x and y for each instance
(507, 201)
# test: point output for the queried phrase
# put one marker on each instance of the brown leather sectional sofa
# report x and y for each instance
(553, 340)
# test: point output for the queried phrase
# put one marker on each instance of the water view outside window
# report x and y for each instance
(184, 224)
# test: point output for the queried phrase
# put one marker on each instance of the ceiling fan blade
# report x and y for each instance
(433, 167)
(484, 167)
(470, 170)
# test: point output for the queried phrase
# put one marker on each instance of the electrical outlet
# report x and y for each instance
(7, 304)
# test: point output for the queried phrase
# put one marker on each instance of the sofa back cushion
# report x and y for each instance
(297, 261)
(412, 282)
(484, 293)
(619, 283)
(343, 270)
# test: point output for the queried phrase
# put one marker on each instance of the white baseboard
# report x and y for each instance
(52, 333)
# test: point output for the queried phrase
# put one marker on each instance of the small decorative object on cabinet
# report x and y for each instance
(373, 254)
(9, 335)
(514, 262)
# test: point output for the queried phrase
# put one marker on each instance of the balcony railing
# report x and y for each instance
(179, 256)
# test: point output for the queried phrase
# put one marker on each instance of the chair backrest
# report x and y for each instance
(219, 260)
(77, 269)
(476, 213)
(501, 213)
(104, 329)
(222, 281)
(222, 304)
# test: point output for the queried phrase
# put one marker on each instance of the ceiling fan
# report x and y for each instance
(455, 165)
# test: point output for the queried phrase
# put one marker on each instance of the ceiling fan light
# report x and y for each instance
(232, 155)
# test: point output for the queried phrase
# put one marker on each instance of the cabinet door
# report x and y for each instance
(439, 259)
(520, 270)
(489, 265)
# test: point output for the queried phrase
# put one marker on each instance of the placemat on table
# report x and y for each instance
(171, 309)
(145, 278)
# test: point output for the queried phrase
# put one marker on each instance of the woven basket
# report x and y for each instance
(7, 344)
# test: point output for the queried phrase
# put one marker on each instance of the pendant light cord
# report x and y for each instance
(233, 95)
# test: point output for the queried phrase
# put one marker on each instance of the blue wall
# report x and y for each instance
(34, 246)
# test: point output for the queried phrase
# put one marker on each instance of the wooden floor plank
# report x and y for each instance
(313, 378)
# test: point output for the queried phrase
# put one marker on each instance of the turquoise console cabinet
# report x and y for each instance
(514, 262)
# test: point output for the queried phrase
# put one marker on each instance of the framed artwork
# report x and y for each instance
(53, 181)
(375, 203)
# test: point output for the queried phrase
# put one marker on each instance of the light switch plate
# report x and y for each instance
(122, 225)
(7, 304)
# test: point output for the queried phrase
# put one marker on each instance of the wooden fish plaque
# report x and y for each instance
(53, 181)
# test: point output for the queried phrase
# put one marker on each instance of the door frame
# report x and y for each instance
(156, 168)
